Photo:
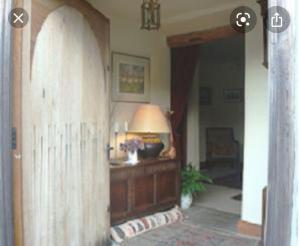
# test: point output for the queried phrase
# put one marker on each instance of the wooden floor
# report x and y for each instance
(202, 226)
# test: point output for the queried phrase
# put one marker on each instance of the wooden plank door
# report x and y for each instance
(65, 171)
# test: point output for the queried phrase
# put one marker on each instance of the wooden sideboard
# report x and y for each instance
(148, 187)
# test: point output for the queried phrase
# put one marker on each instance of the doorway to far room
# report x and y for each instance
(218, 96)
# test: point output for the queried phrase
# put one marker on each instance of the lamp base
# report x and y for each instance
(151, 150)
(152, 146)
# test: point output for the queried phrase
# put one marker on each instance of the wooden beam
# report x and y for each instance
(17, 125)
(6, 211)
(201, 37)
(284, 128)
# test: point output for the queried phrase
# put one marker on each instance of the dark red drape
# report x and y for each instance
(183, 65)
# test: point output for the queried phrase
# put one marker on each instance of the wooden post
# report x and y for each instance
(284, 132)
(19, 68)
(6, 224)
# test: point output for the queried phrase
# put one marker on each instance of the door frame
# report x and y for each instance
(201, 37)
(197, 38)
(6, 170)
(284, 149)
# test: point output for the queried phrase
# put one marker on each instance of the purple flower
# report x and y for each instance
(132, 145)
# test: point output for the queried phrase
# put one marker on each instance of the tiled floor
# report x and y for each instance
(202, 227)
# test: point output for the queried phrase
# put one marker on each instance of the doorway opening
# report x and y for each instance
(217, 96)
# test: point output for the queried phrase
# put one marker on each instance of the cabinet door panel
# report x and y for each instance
(166, 186)
(118, 198)
(144, 192)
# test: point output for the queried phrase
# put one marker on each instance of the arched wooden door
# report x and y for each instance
(65, 172)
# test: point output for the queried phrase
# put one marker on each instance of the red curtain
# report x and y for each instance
(183, 65)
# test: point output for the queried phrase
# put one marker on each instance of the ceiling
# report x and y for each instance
(172, 10)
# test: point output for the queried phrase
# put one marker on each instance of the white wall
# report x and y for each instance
(127, 37)
(256, 126)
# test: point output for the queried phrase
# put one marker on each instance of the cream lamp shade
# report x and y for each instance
(149, 119)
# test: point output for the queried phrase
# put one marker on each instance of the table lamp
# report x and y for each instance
(149, 121)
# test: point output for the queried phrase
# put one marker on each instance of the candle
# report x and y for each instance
(116, 127)
(126, 126)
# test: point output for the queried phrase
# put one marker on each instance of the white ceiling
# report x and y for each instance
(172, 10)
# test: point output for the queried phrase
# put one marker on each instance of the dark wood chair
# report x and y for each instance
(221, 147)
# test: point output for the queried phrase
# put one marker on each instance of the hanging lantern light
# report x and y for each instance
(150, 15)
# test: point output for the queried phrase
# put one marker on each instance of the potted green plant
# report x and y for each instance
(192, 182)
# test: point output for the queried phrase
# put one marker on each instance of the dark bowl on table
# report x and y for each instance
(151, 150)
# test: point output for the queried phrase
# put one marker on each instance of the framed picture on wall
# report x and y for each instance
(205, 96)
(130, 78)
(233, 95)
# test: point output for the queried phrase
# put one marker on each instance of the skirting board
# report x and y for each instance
(249, 229)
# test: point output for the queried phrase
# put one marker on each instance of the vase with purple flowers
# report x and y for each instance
(131, 147)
